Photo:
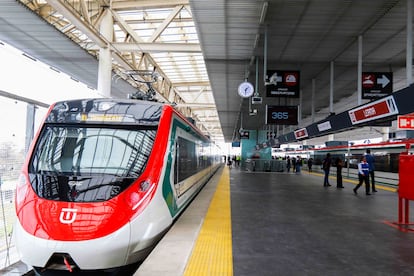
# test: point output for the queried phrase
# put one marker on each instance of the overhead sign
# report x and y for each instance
(301, 133)
(376, 84)
(244, 134)
(235, 144)
(374, 110)
(405, 122)
(282, 83)
(281, 115)
(324, 126)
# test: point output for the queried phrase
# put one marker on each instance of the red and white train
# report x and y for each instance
(104, 180)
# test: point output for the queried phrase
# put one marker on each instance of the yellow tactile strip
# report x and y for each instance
(212, 253)
(378, 186)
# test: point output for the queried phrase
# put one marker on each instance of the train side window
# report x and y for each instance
(186, 160)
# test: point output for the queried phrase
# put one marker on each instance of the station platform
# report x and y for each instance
(279, 223)
(259, 223)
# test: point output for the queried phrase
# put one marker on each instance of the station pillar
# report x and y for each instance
(105, 58)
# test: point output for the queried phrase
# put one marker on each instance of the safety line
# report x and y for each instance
(212, 253)
(344, 179)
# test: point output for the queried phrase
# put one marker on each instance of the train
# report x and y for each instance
(103, 181)
(386, 154)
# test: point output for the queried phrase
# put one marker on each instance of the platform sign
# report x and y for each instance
(301, 133)
(376, 84)
(282, 83)
(281, 115)
(406, 122)
(374, 110)
(324, 126)
(244, 134)
(235, 144)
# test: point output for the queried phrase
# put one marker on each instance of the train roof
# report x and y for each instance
(108, 111)
(112, 111)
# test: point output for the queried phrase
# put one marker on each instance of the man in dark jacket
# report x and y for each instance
(326, 166)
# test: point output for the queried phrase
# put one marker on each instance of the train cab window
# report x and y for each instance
(85, 164)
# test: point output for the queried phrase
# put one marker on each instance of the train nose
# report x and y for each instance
(60, 261)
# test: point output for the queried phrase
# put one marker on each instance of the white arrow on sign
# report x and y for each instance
(383, 80)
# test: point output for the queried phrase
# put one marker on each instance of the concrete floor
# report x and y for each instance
(289, 224)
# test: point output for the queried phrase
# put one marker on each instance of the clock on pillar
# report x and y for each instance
(246, 89)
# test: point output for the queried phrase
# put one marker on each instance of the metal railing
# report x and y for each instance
(265, 165)
(8, 254)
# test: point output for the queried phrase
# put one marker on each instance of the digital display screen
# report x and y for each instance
(281, 115)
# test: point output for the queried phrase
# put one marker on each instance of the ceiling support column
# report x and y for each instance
(265, 76)
(300, 106)
(409, 47)
(359, 70)
(385, 133)
(313, 100)
(331, 88)
(105, 58)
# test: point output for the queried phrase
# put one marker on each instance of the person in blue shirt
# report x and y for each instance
(370, 161)
(363, 175)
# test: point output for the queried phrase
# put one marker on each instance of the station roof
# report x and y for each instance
(203, 50)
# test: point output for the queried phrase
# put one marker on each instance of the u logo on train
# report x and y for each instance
(104, 179)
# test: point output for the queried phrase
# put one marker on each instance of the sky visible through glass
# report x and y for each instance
(35, 80)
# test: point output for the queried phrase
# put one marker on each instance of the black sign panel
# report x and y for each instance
(281, 115)
(235, 144)
(376, 84)
(282, 83)
(244, 134)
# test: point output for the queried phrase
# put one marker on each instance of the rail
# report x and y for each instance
(383, 178)
(265, 165)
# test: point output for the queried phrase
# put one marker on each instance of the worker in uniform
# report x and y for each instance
(363, 175)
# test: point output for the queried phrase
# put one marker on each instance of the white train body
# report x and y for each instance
(104, 180)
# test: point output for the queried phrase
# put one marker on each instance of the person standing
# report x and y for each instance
(326, 166)
(298, 164)
(310, 163)
(370, 160)
(229, 161)
(238, 159)
(363, 175)
(339, 165)
(288, 164)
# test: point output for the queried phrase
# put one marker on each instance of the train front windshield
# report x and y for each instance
(87, 163)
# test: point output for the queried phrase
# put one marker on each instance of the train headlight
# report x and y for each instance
(22, 181)
(133, 199)
(137, 198)
(144, 186)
